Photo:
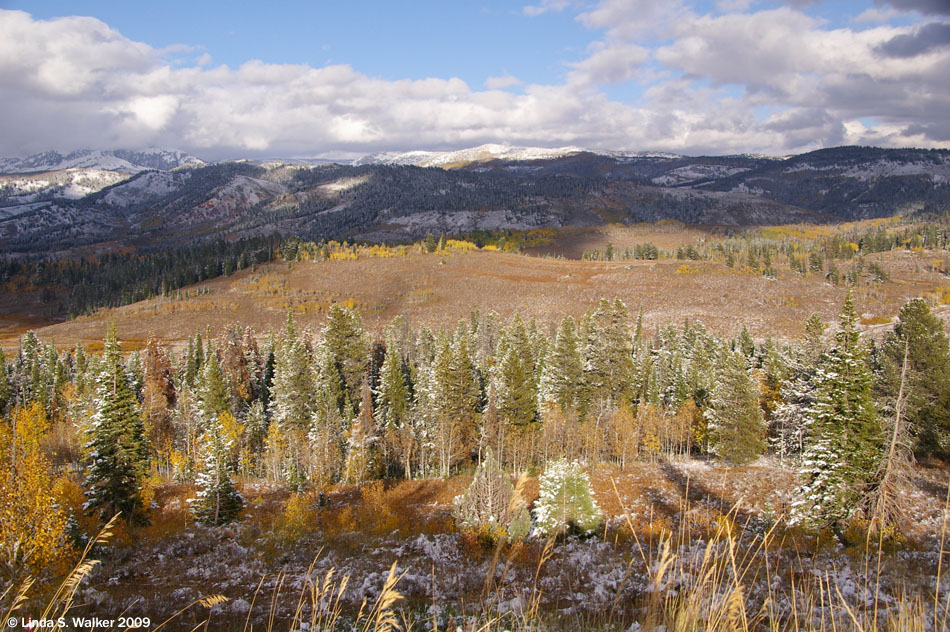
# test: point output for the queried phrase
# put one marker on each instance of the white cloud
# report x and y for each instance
(75, 82)
(502, 82)
(609, 64)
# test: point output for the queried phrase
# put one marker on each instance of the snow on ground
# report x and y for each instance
(691, 173)
(71, 184)
(443, 575)
(343, 184)
(150, 185)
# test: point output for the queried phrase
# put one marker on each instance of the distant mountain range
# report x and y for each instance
(112, 160)
(90, 201)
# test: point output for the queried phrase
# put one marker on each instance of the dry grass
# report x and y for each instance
(436, 289)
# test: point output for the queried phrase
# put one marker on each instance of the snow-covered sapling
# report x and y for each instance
(565, 501)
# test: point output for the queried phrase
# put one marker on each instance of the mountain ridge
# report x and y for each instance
(495, 187)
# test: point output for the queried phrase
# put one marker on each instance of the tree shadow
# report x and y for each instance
(696, 492)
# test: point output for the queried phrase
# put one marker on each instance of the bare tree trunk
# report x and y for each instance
(888, 508)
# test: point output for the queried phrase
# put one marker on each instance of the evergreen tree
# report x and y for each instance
(745, 344)
(392, 401)
(844, 441)
(926, 404)
(348, 346)
(488, 506)
(562, 379)
(736, 426)
(608, 351)
(117, 448)
(292, 391)
(6, 388)
(392, 395)
(217, 501)
(515, 378)
(213, 396)
(190, 368)
(256, 426)
(565, 500)
(362, 452)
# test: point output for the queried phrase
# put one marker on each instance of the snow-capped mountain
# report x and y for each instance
(120, 160)
(491, 187)
(482, 153)
(70, 184)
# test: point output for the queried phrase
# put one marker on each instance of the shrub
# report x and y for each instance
(565, 500)
(297, 518)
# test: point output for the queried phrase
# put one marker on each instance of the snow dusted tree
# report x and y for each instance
(565, 500)
(117, 449)
(797, 394)
(490, 506)
(325, 438)
(291, 400)
(348, 346)
(392, 406)
(217, 501)
(608, 351)
(562, 380)
(256, 425)
(736, 427)
(392, 395)
(213, 397)
(515, 377)
(453, 396)
(6, 387)
(492, 431)
(293, 383)
(926, 409)
(844, 440)
(362, 444)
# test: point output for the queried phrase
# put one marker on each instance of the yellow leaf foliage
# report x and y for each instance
(32, 521)
(30, 425)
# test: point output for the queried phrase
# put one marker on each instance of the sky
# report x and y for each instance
(341, 79)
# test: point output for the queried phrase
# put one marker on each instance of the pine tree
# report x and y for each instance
(190, 372)
(562, 379)
(489, 506)
(349, 347)
(492, 431)
(213, 396)
(6, 388)
(392, 404)
(117, 447)
(608, 351)
(362, 452)
(844, 441)
(926, 404)
(736, 427)
(256, 424)
(292, 390)
(392, 396)
(448, 414)
(565, 500)
(515, 378)
(217, 501)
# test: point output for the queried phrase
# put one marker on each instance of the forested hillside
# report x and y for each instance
(200, 204)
